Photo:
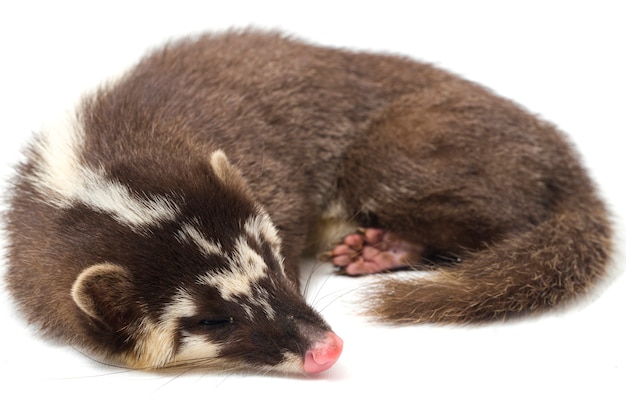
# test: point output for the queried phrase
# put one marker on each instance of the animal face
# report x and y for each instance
(197, 290)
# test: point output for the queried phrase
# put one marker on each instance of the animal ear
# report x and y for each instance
(102, 292)
(228, 173)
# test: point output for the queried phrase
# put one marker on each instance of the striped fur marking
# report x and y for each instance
(246, 268)
(192, 348)
(154, 345)
(291, 363)
(192, 234)
(261, 228)
(262, 300)
(182, 305)
(195, 350)
(65, 181)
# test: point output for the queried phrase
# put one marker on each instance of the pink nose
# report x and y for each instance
(323, 354)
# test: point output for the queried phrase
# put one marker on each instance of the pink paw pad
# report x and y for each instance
(373, 250)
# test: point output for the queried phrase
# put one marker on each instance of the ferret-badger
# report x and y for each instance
(161, 223)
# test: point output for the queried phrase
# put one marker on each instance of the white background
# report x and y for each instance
(563, 60)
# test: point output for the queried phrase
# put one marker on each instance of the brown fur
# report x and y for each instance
(477, 177)
(399, 144)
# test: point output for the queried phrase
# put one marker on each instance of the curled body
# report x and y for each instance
(162, 222)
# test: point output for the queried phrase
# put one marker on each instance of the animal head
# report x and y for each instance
(192, 279)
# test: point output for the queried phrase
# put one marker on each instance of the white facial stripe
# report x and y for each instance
(248, 261)
(261, 228)
(159, 349)
(155, 340)
(65, 181)
(291, 363)
(245, 268)
(191, 234)
(182, 305)
(154, 345)
(262, 299)
(196, 348)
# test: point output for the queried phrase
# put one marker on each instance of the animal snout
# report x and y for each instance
(323, 354)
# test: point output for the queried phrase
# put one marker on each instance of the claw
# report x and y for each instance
(340, 270)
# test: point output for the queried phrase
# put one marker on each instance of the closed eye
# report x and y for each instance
(215, 322)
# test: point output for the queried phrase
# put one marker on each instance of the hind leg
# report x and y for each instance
(372, 250)
(439, 175)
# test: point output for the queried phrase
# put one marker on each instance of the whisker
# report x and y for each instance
(341, 293)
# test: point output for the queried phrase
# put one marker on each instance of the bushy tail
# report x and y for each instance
(551, 263)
